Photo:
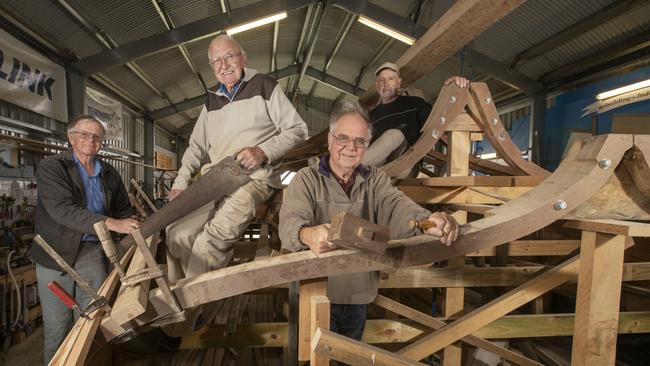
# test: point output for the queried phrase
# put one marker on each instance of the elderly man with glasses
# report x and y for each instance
(340, 183)
(246, 115)
(75, 191)
(397, 119)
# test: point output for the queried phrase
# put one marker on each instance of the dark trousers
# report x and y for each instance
(348, 320)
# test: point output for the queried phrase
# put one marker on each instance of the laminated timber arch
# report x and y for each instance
(474, 102)
(580, 176)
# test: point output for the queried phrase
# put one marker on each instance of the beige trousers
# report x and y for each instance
(202, 241)
(388, 147)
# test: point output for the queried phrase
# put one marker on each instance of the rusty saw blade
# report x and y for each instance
(224, 179)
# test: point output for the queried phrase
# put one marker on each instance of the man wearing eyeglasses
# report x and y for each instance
(397, 119)
(75, 191)
(340, 183)
(246, 116)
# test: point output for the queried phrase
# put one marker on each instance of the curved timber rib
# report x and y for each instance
(574, 182)
(478, 101)
(496, 132)
(450, 103)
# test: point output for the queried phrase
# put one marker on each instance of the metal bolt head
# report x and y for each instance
(488, 100)
(453, 99)
(435, 134)
(495, 121)
(327, 348)
(443, 120)
(501, 136)
(560, 205)
(605, 163)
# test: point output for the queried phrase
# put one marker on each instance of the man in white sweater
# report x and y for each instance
(247, 116)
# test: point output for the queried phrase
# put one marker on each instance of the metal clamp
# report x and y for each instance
(143, 275)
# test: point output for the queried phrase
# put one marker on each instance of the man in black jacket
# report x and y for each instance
(397, 119)
(75, 191)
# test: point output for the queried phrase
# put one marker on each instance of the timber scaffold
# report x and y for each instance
(600, 186)
(602, 180)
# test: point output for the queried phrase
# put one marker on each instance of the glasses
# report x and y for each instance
(230, 58)
(89, 136)
(344, 140)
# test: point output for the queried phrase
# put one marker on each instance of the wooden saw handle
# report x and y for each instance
(423, 224)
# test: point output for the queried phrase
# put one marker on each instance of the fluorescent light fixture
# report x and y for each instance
(488, 156)
(387, 31)
(623, 89)
(256, 23)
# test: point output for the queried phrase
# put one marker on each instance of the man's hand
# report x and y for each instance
(316, 238)
(446, 229)
(124, 226)
(458, 80)
(173, 193)
(251, 157)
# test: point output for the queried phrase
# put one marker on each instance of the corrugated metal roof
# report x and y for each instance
(608, 34)
(181, 14)
(127, 80)
(127, 21)
(123, 21)
(288, 36)
(431, 11)
(531, 23)
(164, 68)
(236, 4)
(47, 17)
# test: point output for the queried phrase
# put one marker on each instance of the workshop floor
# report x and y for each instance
(29, 352)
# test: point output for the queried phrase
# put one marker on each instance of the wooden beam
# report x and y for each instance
(458, 277)
(320, 319)
(472, 195)
(308, 289)
(555, 325)
(486, 276)
(492, 310)
(598, 299)
(353, 352)
(464, 123)
(463, 22)
(474, 181)
(526, 248)
(453, 298)
(383, 331)
(433, 323)
(476, 208)
(614, 227)
(475, 163)
(131, 302)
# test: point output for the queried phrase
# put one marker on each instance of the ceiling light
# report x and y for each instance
(256, 23)
(387, 31)
(624, 89)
